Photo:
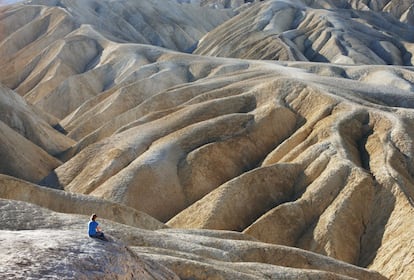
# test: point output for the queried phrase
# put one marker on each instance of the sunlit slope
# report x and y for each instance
(58, 240)
(315, 156)
(244, 142)
(43, 46)
(319, 32)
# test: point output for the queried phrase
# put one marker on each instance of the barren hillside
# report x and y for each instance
(264, 140)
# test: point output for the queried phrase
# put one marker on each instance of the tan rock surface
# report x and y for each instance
(68, 254)
(29, 122)
(321, 31)
(64, 202)
(23, 159)
(237, 203)
(312, 158)
(34, 247)
(30, 145)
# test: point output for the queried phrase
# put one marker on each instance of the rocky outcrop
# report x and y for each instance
(35, 248)
(68, 255)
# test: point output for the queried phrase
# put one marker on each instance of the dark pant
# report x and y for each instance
(99, 235)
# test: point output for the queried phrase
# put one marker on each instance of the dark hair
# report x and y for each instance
(93, 217)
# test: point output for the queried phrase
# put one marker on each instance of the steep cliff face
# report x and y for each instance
(289, 156)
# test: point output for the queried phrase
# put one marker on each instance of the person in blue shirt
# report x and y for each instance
(94, 230)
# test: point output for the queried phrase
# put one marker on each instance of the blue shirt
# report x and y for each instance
(92, 225)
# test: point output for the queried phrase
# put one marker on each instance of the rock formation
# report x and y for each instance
(291, 30)
(39, 243)
(209, 165)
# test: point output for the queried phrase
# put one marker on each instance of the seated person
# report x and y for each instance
(94, 230)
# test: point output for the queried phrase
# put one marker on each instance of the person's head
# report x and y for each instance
(93, 217)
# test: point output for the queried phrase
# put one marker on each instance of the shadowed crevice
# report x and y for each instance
(371, 240)
(51, 181)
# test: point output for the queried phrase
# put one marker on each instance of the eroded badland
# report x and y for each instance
(214, 139)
